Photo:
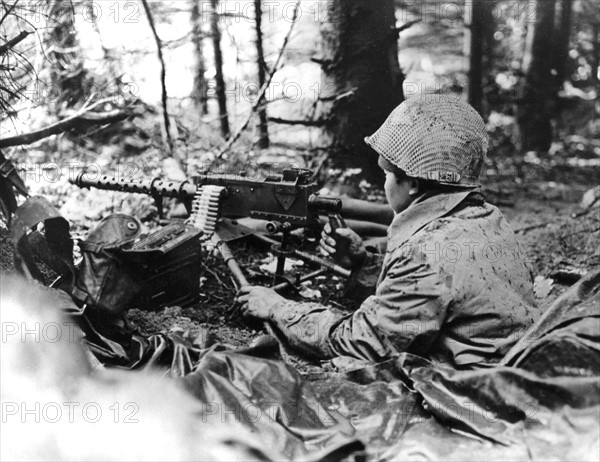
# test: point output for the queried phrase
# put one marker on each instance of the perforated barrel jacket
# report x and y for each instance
(454, 287)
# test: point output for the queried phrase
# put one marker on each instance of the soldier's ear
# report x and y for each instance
(415, 187)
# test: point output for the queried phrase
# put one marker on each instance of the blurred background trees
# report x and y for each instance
(529, 66)
(65, 63)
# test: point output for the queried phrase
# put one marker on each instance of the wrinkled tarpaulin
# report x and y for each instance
(543, 402)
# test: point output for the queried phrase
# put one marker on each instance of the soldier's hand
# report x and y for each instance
(344, 246)
(259, 302)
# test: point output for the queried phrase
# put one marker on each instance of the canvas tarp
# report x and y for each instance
(543, 402)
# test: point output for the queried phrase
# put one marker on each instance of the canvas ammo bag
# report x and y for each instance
(121, 270)
(104, 279)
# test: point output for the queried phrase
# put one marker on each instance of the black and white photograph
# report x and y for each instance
(300, 230)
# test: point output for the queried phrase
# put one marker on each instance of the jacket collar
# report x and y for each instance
(420, 213)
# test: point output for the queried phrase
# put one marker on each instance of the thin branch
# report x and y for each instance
(88, 107)
(163, 74)
(13, 42)
(339, 96)
(23, 60)
(8, 10)
(321, 62)
(183, 40)
(263, 90)
(306, 123)
(10, 92)
(80, 117)
(525, 229)
(60, 127)
(226, 14)
(403, 27)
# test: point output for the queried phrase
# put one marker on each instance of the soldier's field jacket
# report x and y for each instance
(454, 287)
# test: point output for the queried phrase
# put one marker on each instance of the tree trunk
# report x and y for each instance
(361, 79)
(478, 48)
(220, 81)
(199, 95)
(263, 128)
(538, 98)
(563, 35)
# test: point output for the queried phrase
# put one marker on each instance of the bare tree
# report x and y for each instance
(263, 128)
(199, 92)
(163, 76)
(361, 79)
(223, 151)
(219, 79)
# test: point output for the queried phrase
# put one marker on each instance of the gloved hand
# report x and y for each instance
(345, 246)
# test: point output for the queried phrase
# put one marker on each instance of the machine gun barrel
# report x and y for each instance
(153, 187)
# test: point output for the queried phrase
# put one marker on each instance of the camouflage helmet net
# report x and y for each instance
(437, 138)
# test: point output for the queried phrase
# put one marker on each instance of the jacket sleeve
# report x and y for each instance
(363, 282)
(405, 314)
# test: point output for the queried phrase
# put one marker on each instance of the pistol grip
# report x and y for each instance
(336, 221)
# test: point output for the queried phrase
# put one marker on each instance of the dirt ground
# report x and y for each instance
(552, 228)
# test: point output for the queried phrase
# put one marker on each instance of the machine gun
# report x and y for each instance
(285, 202)
(290, 198)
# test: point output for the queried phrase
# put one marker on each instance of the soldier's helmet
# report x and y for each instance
(437, 137)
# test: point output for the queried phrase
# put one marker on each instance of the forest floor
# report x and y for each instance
(560, 240)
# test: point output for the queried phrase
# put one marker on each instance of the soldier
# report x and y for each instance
(454, 286)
